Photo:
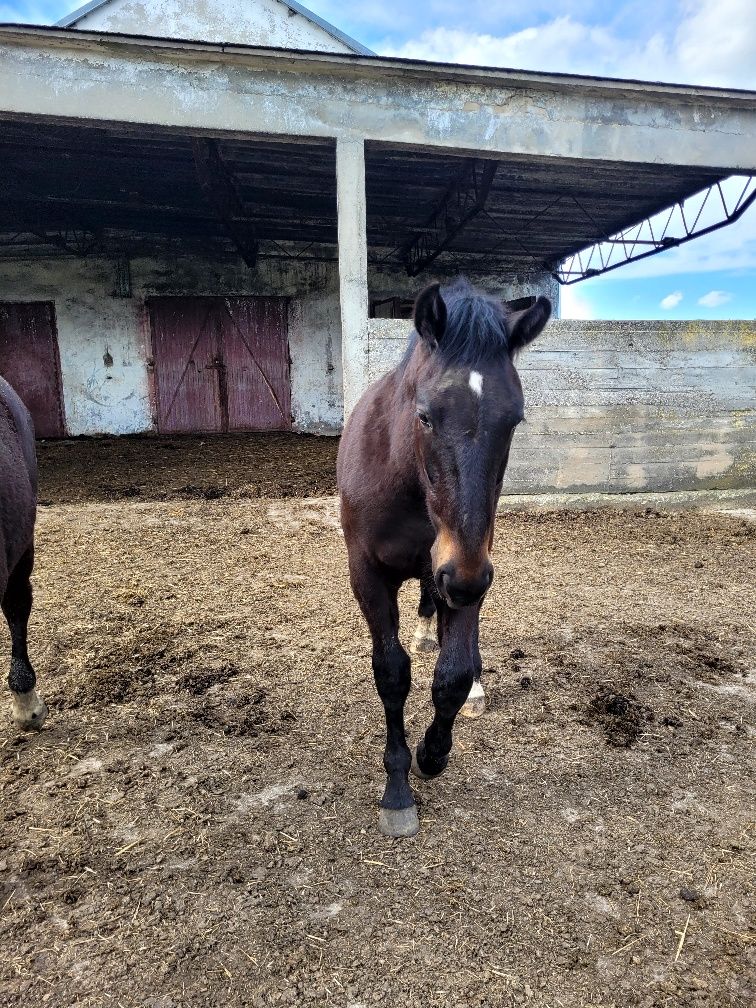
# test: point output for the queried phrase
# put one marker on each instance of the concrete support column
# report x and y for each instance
(353, 285)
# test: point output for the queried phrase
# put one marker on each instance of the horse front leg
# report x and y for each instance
(391, 669)
(453, 679)
(475, 704)
(29, 710)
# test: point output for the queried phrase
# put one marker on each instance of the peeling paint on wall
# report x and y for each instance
(105, 342)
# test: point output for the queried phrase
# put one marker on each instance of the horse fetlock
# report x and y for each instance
(425, 768)
(475, 705)
(21, 678)
(29, 710)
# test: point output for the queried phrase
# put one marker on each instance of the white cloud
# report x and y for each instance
(671, 300)
(714, 43)
(715, 298)
(573, 305)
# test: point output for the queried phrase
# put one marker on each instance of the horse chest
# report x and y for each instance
(404, 535)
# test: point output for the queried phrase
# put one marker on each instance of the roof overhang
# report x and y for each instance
(627, 147)
(385, 66)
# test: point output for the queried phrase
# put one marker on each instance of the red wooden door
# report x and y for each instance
(29, 361)
(256, 357)
(185, 350)
(221, 364)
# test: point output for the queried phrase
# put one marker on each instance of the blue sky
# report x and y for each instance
(683, 41)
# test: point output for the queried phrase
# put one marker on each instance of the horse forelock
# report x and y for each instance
(476, 326)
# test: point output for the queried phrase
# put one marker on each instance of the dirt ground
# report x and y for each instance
(196, 824)
(186, 468)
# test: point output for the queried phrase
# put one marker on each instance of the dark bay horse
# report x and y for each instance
(18, 509)
(420, 469)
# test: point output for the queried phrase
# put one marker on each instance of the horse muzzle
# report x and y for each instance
(461, 589)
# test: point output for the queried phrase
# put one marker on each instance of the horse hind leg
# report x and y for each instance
(424, 639)
(475, 704)
(29, 710)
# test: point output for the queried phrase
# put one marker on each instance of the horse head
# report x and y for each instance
(468, 402)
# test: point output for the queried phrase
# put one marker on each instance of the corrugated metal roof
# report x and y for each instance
(137, 189)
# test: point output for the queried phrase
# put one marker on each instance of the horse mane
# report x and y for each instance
(476, 327)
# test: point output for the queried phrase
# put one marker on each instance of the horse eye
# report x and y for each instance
(424, 419)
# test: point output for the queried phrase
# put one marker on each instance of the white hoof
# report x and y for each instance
(424, 639)
(398, 822)
(29, 710)
(475, 705)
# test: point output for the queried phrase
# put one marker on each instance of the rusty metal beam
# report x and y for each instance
(675, 225)
(464, 199)
(217, 184)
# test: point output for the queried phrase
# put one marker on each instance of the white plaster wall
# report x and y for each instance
(251, 22)
(91, 323)
(94, 326)
(390, 281)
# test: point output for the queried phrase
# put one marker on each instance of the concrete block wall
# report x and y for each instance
(626, 406)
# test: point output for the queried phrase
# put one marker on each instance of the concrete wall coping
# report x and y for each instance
(89, 76)
(44, 36)
(400, 328)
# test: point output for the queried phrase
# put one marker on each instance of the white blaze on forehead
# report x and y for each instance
(476, 383)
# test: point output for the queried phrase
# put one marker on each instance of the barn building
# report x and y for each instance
(214, 217)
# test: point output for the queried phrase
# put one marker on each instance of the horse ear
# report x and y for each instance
(526, 324)
(430, 315)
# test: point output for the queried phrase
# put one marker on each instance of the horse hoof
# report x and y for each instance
(475, 705)
(29, 711)
(420, 774)
(424, 638)
(398, 822)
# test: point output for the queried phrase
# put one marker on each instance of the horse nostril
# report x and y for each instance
(444, 577)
